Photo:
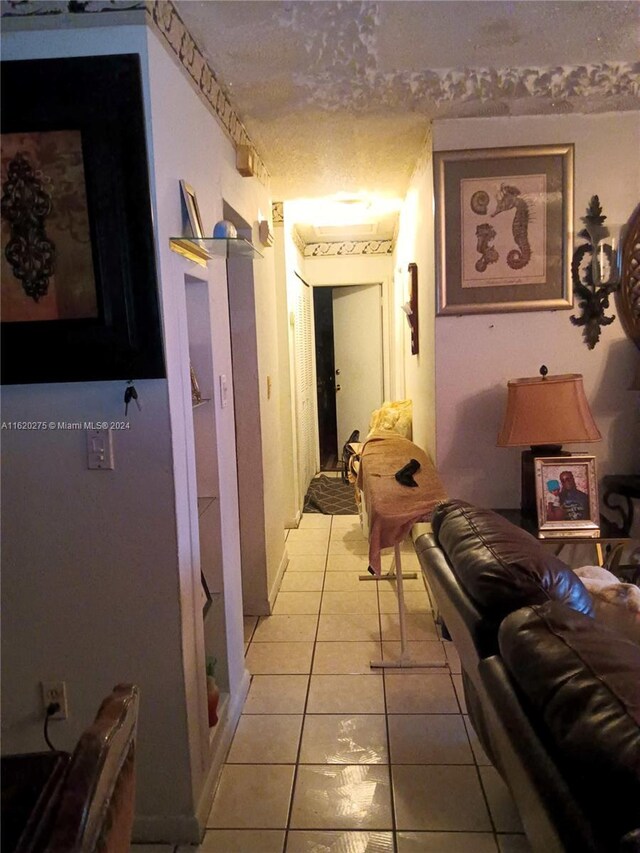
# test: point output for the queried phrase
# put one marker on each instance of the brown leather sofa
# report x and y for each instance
(553, 693)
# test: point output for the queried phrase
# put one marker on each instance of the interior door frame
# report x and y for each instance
(385, 291)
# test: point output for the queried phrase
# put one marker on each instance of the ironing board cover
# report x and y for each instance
(393, 508)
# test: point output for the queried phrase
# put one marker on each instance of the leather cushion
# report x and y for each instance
(582, 681)
(501, 566)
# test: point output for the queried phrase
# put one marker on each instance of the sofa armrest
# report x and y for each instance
(582, 683)
(473, 634)
(552, 819)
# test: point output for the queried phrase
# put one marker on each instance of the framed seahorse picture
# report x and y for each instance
(504, 221)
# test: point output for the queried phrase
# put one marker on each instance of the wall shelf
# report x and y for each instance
(202, 249)
(201, 402)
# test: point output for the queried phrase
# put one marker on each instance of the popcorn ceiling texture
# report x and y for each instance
(341, 41)
(340, 94)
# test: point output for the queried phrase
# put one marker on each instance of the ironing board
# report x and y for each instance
(392, 510)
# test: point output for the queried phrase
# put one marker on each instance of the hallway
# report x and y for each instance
(333, 757)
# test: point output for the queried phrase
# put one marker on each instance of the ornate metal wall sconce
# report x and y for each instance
(595, 273)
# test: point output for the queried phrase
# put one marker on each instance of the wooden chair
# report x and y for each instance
(96, 808)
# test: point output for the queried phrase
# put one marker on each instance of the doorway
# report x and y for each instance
(325, 378)
(349, 365)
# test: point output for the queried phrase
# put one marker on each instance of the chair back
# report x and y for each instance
(97, 801)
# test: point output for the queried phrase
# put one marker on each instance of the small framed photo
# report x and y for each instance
(196, 394)
(567, 496)
(193, 211)
(504, 219)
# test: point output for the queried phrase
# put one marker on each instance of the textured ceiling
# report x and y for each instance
(337, 96)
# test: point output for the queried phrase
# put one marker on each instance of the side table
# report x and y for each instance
(609, 545)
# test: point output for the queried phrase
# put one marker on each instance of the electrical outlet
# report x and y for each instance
(55, 691)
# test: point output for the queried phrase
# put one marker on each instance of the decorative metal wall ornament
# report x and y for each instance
(25, 206)
(594, 272)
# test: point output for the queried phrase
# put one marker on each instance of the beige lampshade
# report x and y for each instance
(553, 410)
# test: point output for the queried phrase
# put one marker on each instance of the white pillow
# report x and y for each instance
(615, 603)
(602, 583)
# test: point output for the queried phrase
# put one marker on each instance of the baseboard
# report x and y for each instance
(284, 562)
(292, 524)
(219, 750)
(166, 829)
(256, 607)
(183, 829)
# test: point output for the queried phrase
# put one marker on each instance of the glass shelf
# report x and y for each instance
(202, 249)
(195, 405)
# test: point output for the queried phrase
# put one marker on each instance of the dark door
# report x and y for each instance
(325, 376)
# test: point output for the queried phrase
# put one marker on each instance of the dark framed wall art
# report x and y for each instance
(504, 220)
(78, 277)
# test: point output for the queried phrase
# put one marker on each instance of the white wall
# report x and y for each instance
(293, 268)
(415, 244)
(89, 557)
(101, 568)
(477, 354)
(289, 470)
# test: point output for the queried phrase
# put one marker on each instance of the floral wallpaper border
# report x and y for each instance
(343, 37)
(355, 79)
(167, 21)
(348, 247)
(162, 15)
(331, 250)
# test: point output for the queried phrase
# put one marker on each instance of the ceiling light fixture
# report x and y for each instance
(342, 209)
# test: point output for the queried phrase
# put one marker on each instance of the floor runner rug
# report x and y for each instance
(330, 496)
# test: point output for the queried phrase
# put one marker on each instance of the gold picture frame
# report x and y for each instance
(504, 223)
(567, 496)
(193, 211)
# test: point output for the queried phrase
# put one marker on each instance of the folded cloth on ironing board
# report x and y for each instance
(392, 508)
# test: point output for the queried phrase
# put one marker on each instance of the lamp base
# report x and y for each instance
(528, 482)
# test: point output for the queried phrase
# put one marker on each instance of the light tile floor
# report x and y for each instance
(332, 756)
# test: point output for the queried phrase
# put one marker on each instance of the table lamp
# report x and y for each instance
(545, 412)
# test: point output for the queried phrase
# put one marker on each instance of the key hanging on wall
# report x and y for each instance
(130, 394)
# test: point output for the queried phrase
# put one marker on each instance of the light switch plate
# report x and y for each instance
(100, 450)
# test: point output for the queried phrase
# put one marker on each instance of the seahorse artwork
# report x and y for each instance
(479, 202)
(507, 199)
(485, 234)
(25, 205)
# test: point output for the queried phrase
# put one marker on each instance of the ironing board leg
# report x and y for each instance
(404, 661)
(389, 576)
